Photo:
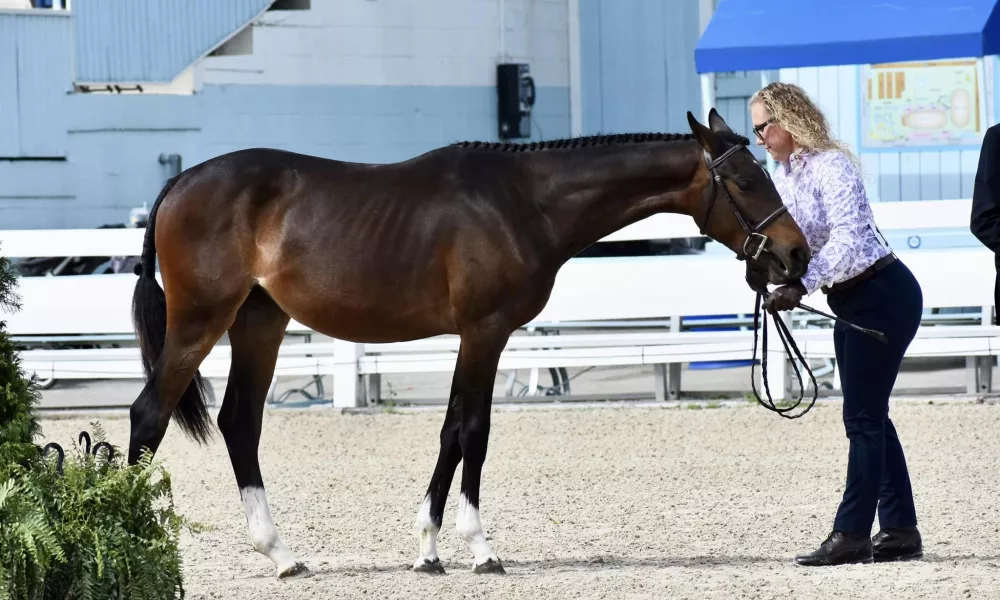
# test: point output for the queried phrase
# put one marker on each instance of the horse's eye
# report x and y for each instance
(745, 185)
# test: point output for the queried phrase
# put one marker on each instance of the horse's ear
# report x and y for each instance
(705, 136)
(716, 122)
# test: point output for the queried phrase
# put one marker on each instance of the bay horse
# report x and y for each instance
(465, 239)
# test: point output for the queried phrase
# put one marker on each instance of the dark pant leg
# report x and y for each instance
(864, 423)
(838, 350)
(895, 499)
(896, 495)
(891, 303)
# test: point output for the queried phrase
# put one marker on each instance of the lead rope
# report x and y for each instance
(786, 340)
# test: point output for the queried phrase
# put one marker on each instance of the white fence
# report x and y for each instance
(586, 290)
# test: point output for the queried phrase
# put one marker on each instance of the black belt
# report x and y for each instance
(868, 273)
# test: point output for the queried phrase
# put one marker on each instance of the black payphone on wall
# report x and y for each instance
(515, 97)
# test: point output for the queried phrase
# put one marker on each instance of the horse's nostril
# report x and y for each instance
(799, 260)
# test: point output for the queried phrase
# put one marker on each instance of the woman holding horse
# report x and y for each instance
(819, 181)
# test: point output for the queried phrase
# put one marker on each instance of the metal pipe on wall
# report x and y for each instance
(174, 160)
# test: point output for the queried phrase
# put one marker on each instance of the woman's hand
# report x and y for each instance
(785, 297)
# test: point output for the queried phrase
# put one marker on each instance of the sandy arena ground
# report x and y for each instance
(587, 502)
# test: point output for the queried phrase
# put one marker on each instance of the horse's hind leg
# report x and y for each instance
(191, 332)
(255, 337)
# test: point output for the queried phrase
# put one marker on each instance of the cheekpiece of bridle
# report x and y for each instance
(754, 233)
(752, 253)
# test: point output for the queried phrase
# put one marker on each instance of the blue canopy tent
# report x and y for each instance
(752, 35)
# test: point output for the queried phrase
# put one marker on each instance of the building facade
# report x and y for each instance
(101, 103)
(357, 80)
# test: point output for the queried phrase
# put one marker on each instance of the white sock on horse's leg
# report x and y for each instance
(264, 534)
(428, 533)
(470, 528)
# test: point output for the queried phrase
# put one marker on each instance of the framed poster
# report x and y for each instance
(930, 105)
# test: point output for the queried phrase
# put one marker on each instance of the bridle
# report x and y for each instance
(753, 232)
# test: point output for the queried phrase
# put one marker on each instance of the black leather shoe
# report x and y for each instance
(902, 543)
(839, 549)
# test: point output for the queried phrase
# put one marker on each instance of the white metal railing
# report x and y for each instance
(597, 290)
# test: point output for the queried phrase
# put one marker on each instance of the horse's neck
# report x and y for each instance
(596, 192)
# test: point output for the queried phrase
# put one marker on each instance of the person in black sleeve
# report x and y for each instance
(985, 218)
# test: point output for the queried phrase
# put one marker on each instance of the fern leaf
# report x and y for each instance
(6, 489)
(25, 533)
(5, 583)
(98, 556)
(85, 585)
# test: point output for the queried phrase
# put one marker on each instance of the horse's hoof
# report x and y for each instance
(490, 566)
(298, 570)
(429, 567)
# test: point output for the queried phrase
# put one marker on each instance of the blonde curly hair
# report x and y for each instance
(792, 109)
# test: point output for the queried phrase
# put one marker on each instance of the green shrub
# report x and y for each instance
(28, 544)
(82, 526)
(96, 530)
(18, 426)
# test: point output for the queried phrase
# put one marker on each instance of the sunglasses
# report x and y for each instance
(758, 130)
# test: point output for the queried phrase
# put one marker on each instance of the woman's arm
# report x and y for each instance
(843, 198)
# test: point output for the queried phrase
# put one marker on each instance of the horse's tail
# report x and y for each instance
(149, 317)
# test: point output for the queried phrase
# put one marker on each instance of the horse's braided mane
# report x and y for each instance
(733, 138)
(596, 140)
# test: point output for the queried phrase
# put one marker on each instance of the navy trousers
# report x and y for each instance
(877, 478)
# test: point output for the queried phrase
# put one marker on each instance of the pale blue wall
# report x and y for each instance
(106, 146)
(35, 76)
(637, 65)
(114, 142)
(638, 71)
(364, 123)
(113, 146)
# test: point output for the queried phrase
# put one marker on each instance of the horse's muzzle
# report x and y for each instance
(788, 265)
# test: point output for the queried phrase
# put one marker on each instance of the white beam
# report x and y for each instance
(705, 10)
(764, 81)
(575, 72)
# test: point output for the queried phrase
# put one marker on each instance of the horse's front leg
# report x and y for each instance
(468, 410)
(481, 351)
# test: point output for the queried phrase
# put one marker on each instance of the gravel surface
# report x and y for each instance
(586, 503)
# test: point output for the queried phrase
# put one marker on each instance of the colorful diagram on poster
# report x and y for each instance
(921, 104)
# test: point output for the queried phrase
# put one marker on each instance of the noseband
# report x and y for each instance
(753, 232)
